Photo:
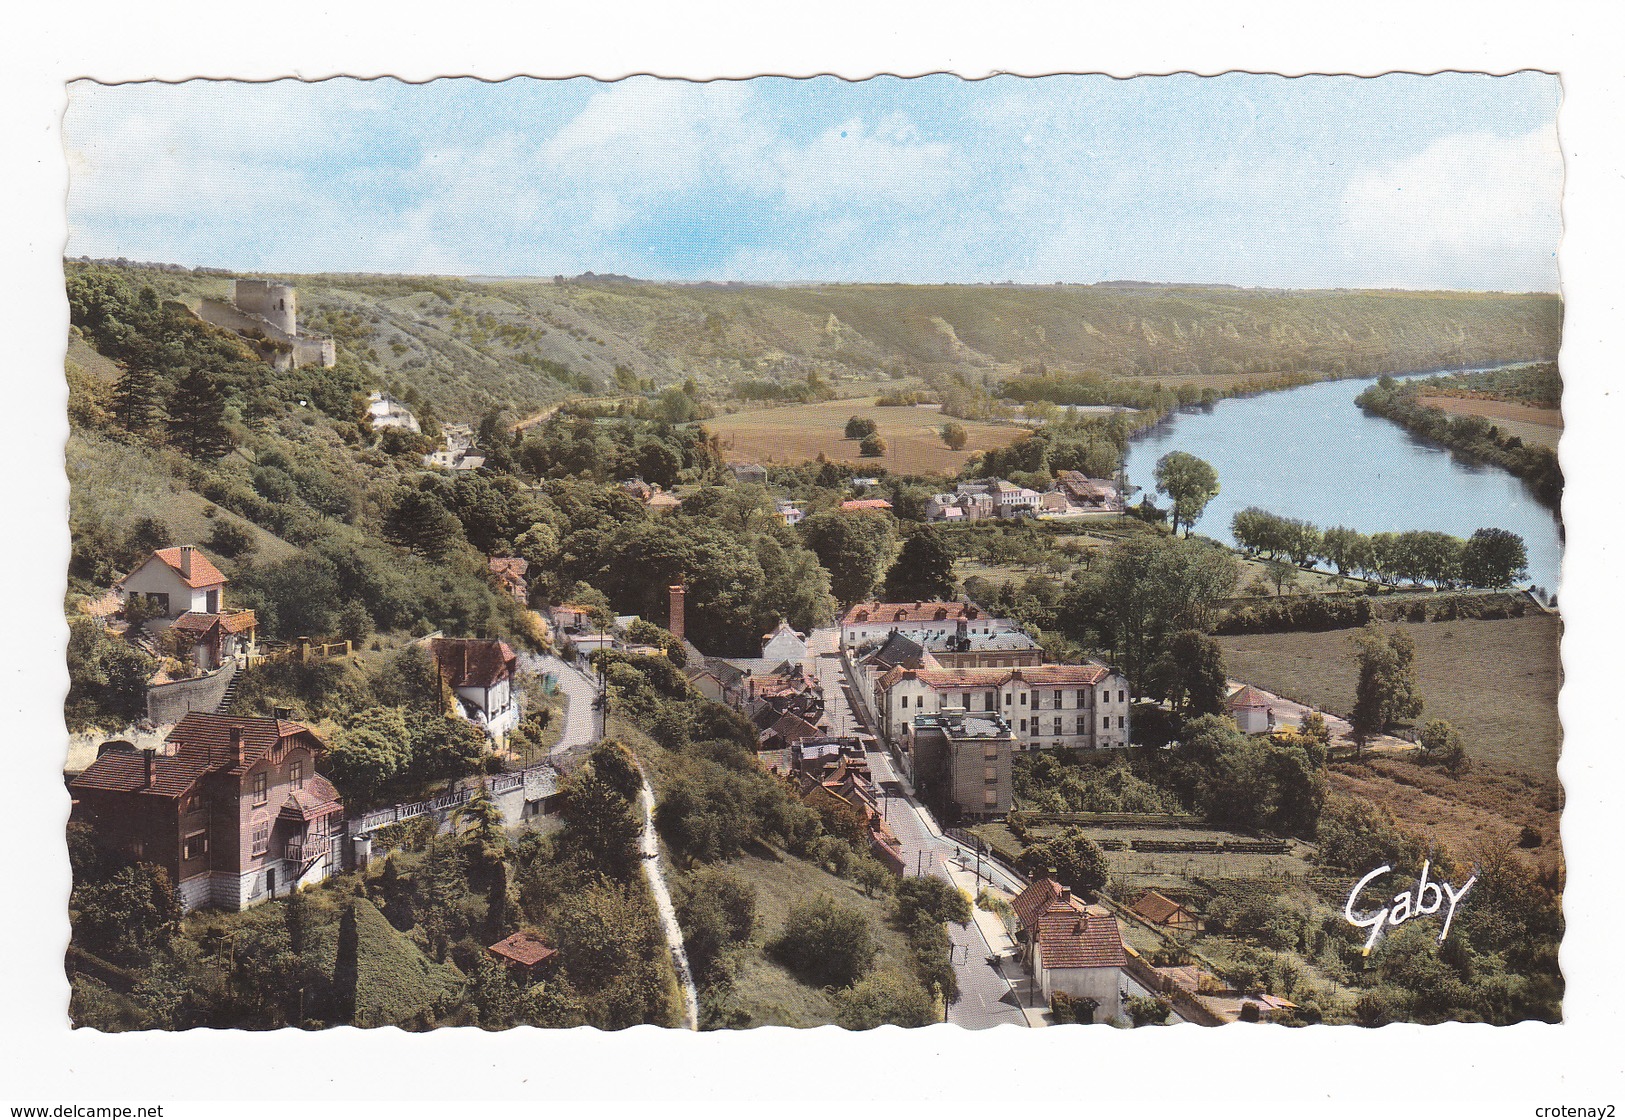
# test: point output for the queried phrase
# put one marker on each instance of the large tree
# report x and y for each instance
(1494, 558)
(924, 568)
(420, 521)
(1386, 693)
(1191, 482)
(1190, 675)
(1077, 861)
(197, 417)
(138, 399)
(1150, 588)
(854, 546)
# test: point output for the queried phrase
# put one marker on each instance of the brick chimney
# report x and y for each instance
(1066, 895)
(186, 560)
(237, 746)
(147, 760)
(675, 625)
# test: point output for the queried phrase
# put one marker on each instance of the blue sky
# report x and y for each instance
(1451, 181)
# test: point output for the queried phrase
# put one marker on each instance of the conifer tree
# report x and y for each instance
(347, 966)
(197, 417)
(137, 403)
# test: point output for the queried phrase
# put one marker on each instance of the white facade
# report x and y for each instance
(495, 708)
(1103, 985)
(1044, 716)
(784, 644)
(156, 579)
(880, 625)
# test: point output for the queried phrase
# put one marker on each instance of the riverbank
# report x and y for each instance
(1473, 436)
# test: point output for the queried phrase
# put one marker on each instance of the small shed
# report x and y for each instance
(525, 954)
(1251, 710)
(1161, 910)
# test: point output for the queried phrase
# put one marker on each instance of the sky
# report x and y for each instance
(1450, 181)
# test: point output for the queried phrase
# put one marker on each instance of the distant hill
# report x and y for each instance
(467, 345)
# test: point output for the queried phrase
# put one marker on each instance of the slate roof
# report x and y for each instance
(1069, 676)
(900, 650)
(474, 662)
(790, 727)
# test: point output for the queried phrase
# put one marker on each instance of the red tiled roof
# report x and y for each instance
(791, 727)
(1080, 939)
(1247, 697)
(202, 745)
(474, 662)
(232, 622)
(523, 948)
(204, 573)
(1154, 907)
(1069, 934)
(934, 611)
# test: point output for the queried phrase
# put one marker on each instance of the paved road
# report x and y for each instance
(985, 997)
(579, 691)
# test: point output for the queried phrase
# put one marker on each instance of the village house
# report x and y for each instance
(749, 473)
(510, 576)
(1159, 909)
(873, 622)
(788, 513)
(1049, 707)
(1067, 946)
(1252, 711)
(784, 643)
(480, 673)
(963, 758)
(717, 679)
(231, 808)
(834, 774)
(871, 504)
(384, 411)
(983, 499)
(180, 587)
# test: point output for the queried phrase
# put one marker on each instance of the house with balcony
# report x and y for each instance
(230, 806)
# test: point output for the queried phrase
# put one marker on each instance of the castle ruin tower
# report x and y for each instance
(271, 302)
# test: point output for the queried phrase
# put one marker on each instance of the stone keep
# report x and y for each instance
(272, 302)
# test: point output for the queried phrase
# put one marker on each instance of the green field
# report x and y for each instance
(1496, 680)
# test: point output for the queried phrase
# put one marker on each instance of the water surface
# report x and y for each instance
(1310, 453)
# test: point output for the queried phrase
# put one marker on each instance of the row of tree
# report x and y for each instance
(1490, 558)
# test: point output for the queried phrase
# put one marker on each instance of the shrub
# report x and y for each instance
(872, 447)
(825, 943)
(885, 998)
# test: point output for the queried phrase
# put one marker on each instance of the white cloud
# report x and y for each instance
(1473, 210)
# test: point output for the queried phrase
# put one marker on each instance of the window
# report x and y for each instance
(1083, 725)
(1057, 698)
(990, 798)
(1083, 698)
(1106, 722)
(1024, 725)
(1121, 696)
(1105, 696)
(1058, 725)
(294, 850)
(262, 838)
(990, 774)
(991, 700)
(296, 774)
(1023, 699)
(260, 796)
(1122, 722)
(195, 845)
(990, 753)
(1007, 698)
(965, 701)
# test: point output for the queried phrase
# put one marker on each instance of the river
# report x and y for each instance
(1311, 453)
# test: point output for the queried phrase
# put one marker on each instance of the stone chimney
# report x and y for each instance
(186, 560)
(237, 750)
(1066, 895)
(675, 625)
(147, 756)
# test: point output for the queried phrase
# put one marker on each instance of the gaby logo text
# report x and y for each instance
(1406, 906)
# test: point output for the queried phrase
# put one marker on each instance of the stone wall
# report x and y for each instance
(167, 703)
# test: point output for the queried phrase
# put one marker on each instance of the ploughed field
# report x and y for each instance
(1495, 680)
(1538, 427)
(797, 433)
